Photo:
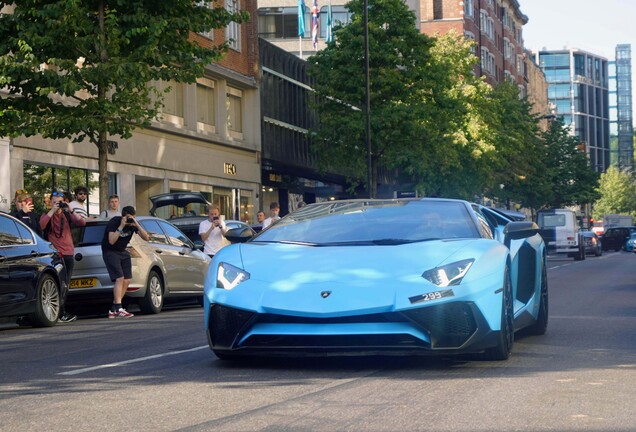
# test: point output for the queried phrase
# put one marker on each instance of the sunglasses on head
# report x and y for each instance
(60, 194)
(21, 191)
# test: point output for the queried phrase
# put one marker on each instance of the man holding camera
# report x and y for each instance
(56, 225)
(118, 234)
(212, 232)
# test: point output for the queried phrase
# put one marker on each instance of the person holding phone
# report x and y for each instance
(56, 225)
(212, 231)
(117, 235)
(24, 211)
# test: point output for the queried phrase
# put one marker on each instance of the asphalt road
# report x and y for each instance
(156, 373)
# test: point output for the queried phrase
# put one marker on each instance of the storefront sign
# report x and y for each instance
(229, 168)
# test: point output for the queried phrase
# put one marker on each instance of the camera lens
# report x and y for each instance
(130, 220)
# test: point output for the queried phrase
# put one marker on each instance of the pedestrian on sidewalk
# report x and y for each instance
(56, 225)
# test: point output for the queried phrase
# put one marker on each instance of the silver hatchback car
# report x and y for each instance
(168, 265)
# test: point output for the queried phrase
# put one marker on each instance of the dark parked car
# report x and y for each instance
(615, 238)
(32, 274)
(186, 210)
(592, 243)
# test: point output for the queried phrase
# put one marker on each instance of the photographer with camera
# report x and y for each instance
(56, 225)
(212, 231)
(117, 235)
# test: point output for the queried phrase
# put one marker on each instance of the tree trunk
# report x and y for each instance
(102, 143)
(102, 147)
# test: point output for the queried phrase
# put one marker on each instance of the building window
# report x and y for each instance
(234, 106)
(438, 9)
(206, 102)
(520, 64)
(340, 17)
(487, 24)
(206, 4)
(487, 61)
(468, 8)
(173, 103)
(233, 29)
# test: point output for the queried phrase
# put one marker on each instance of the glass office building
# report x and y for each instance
(578, 91)
(620, 100)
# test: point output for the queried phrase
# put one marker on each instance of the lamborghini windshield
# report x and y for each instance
(376, 222)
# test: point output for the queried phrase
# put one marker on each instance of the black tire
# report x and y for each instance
(152, 301)
(47, 303)
(541, 324)
(506, 339)
(580, 256)
(598, 252)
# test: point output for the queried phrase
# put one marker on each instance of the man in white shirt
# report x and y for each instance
(78, 206)
(274, 209)
(212, 231)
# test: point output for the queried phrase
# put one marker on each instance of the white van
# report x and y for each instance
(560, 231)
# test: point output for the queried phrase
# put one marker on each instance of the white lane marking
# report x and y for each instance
(125, 362)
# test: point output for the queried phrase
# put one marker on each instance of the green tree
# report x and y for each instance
(572, 180)
(515, 167)
(617, 194)
(413, 97)
(81, 69)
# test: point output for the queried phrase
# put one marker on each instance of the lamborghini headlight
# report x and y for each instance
(228, 276)
(449, 274)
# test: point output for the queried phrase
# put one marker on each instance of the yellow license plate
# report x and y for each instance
(83, 283)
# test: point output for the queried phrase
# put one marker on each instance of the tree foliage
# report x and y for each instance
(617, 192)
(81, 69)
(401, 82)
(571, 179)
(432, 120)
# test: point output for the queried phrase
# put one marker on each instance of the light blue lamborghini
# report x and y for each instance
(410, 276)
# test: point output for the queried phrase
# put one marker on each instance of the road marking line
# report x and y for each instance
(125, 362)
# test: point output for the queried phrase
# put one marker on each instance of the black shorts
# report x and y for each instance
(118, 264)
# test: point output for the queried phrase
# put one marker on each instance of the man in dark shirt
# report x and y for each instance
(118, 234)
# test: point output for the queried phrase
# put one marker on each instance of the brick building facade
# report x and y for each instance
(494, 25)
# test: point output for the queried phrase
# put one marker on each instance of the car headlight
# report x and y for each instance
(228, 276)
(449, 274)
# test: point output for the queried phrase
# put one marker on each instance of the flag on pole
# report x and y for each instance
(314, 23)
(329, 23)
(301, 18)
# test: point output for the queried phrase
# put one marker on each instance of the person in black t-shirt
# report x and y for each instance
(118, 234)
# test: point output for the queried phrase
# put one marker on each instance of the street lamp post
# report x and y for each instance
(367, 106)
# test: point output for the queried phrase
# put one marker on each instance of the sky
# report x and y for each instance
(596, 26)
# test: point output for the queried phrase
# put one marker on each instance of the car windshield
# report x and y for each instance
(373, 222)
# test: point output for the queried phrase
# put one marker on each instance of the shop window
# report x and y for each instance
(247, 207)
(222, 197)
(40, 180)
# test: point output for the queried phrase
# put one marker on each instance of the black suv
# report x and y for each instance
(616, 237)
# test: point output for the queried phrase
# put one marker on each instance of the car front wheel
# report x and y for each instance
(47, 304)
(507, 332)
(152, 302)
